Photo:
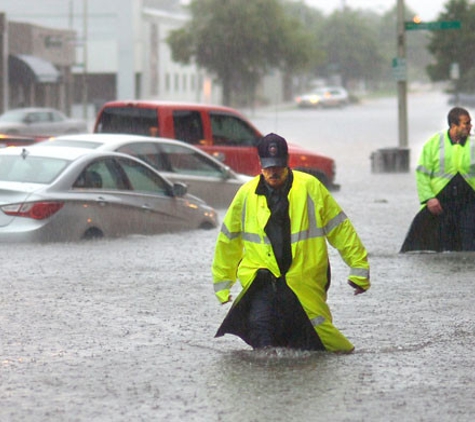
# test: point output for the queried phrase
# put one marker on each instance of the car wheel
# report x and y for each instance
(206, 225)
(93, 234)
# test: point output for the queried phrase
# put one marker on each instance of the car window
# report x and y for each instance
(184, 160)
(40, 117)
(143, 179)
(230, 130)
(148, 152)
(133, 120)
(188, 126)
(56, 117)
(27, 169)
(13, 116)
(101, 174)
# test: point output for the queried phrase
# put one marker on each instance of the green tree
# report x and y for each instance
(311, 22)
(240, 41)
(455, 46)
(352, 47)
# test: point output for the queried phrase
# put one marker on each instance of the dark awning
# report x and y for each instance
(33, 69)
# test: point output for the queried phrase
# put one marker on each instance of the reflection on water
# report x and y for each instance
(276, 384)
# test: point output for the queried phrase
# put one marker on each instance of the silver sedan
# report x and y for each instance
(39, 122)
(69, 194)
(205, 177)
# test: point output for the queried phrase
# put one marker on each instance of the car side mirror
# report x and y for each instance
(226, 173)
(179, 189)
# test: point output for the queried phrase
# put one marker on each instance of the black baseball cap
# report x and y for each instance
(273, 151)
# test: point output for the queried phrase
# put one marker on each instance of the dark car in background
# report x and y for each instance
(39, 121)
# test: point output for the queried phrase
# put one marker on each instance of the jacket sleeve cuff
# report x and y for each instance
(223, 295)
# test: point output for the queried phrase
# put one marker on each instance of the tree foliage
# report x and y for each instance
(351, 46)
(240, 41)
(455, 46)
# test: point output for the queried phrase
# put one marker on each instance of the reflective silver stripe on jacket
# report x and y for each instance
(222, 285)
(471, 173)
(312, 232)
(423, 169)
(317, 320)
(228, 234)
(335, 222)
(442, 173)
(359, 272)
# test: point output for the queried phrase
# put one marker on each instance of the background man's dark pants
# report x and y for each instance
(457, 226)
(453, 230)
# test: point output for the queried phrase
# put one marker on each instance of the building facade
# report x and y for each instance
(39, 66)
(106, 50)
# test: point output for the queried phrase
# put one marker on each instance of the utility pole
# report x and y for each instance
(84, 62)
(402, 82)
(3, 63)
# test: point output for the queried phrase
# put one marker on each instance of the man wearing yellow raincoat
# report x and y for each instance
(274, 240)
(445, 177)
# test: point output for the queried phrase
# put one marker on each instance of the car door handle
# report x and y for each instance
(101, 200)
(146, 207)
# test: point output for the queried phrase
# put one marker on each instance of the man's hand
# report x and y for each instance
(434, 207)
(358, 290)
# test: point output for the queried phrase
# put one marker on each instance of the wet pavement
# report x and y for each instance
(122, 330)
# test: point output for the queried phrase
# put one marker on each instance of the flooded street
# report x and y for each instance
(122, 330)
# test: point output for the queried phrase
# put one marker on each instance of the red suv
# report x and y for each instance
(220, 131)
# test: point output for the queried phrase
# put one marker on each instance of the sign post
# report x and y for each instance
(401, 82)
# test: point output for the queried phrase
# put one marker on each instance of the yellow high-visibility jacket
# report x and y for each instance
(243, 247)
(440, 161)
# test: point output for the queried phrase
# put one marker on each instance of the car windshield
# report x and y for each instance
(22, 168)
(13, 116)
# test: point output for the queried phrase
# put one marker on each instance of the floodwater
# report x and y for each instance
(122, 330)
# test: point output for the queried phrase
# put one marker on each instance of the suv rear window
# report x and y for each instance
(132, 120)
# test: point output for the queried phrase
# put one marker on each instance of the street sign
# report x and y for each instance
(454, 71)
(432, 26)
(399, 69)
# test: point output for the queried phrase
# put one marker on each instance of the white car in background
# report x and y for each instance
(39, 122)
(332, 96)
(205, 177)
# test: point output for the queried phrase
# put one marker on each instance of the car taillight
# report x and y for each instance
(35, 210)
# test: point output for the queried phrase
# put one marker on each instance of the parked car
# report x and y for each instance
(324, 97)
(222, 132)
(205, 177)
(68, 194)
(15, 140)
(39, 122)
